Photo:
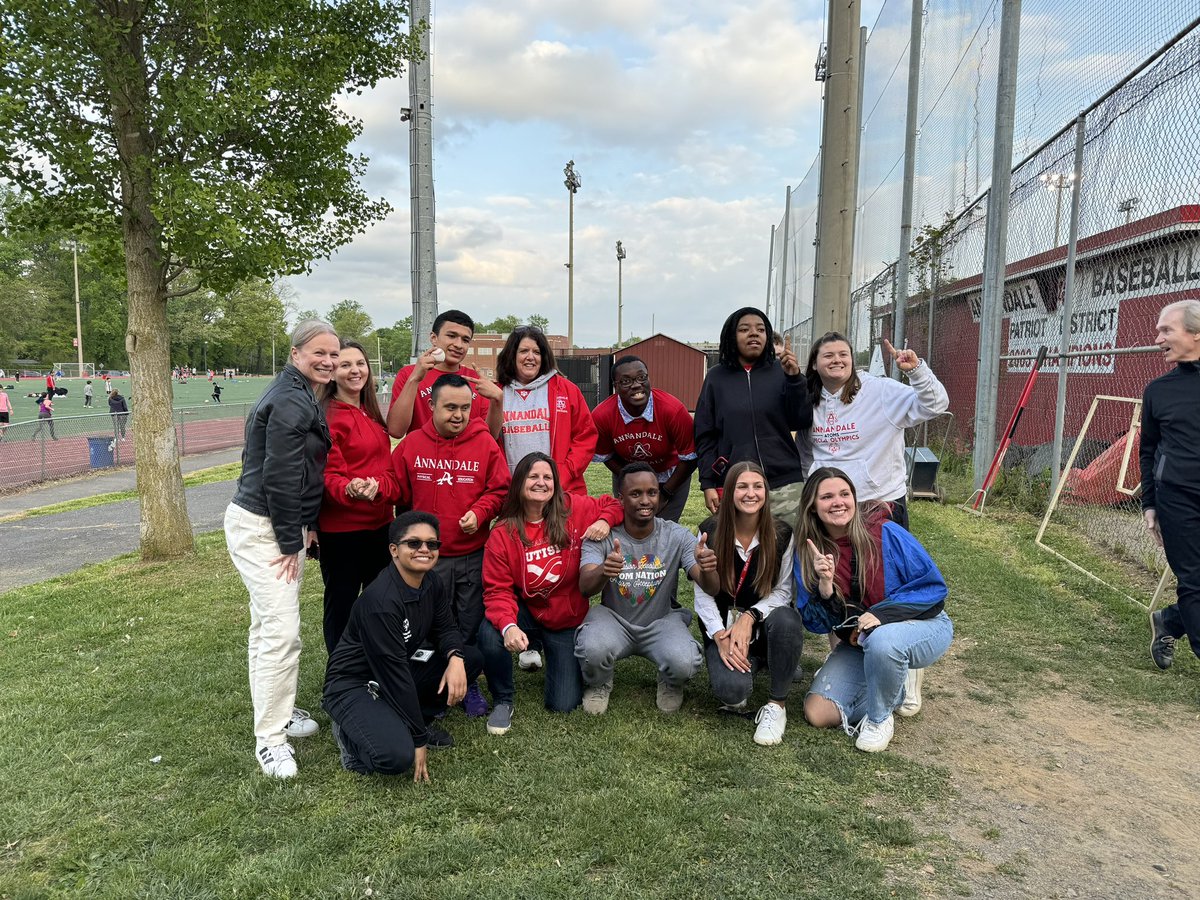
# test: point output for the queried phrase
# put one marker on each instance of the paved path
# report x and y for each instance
(41, 547)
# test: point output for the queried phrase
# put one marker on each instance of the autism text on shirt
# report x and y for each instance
(449, 465)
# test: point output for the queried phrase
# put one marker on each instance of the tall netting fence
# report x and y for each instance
(1130, 156)
(793, 264)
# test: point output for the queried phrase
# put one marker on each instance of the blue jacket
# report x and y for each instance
(914, 586)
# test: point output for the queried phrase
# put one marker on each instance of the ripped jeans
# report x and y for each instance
(868, 681)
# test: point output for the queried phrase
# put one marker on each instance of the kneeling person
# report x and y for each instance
(385, 685)
(636, 570)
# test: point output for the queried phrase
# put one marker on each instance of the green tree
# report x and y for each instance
(394, 344)
(538, 321)
(502, 325)
(350, 320)
(209, 130)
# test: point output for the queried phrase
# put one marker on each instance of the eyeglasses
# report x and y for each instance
(417, 544)
(630, 381)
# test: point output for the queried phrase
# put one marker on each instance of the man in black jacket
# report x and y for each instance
(401, 660)
(749, 407)
(1170, 460)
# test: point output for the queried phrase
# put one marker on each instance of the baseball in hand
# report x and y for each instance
(438, 354)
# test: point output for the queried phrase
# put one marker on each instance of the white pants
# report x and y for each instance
(274, 622)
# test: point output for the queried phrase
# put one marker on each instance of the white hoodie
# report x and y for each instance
(865, 438)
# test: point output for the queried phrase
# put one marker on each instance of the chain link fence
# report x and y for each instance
(61, 446)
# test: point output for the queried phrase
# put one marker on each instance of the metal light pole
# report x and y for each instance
(1127, 207)
(572, 181)
(1057, 181)
(620, 262)
(206, 359)
(78, 322)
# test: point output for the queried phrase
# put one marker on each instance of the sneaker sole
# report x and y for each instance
(768, 743)
(492, 729)
(858, 746)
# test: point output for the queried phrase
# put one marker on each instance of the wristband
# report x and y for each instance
(756, 615)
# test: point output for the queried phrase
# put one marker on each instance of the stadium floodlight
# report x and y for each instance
(1057, 181)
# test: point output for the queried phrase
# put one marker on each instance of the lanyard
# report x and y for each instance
(742, 578)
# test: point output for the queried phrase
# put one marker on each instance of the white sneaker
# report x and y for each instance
(669, 697)
(912, 693)
(301, 724)
(277, 761)
(530, 660)
(874, 738)
(771, 721)
(595, 698)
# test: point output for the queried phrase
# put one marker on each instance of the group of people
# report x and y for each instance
(498, 547)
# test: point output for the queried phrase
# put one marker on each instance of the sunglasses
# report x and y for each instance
(417, 544)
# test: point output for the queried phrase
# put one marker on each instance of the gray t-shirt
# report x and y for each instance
(648, 582)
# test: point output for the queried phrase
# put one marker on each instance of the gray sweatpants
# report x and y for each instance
(604, 637)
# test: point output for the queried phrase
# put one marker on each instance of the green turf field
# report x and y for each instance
(194, 393)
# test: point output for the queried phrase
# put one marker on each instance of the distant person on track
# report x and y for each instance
(1170, 460)
(45, 416)
(640, 423)
(859, 419)
(749, 407)
(5, 411)
(268, 526)
(119, 410)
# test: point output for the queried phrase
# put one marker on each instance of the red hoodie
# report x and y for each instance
(545, 578)
(450, 477)
(361, 447)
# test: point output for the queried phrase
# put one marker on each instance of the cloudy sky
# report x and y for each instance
(686, 120)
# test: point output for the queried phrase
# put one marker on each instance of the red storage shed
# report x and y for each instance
(674, 366)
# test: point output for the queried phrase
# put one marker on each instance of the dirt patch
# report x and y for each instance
(1058, 797)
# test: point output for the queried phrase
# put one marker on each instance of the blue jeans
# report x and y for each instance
(869, 680)
(564, 681)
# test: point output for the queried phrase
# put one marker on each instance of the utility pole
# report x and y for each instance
(839, 170)
(419, 115)
(783, 264)
(573, 182)
(770, 268)
(620, 261)
(900, 307)
(987, 380)
(78, 320)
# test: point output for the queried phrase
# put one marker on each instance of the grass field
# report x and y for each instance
(125, 730)
(194, 393)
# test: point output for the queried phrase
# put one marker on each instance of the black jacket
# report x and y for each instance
(387, 623)
(283, 461)
(1170, 449)
(751, 415)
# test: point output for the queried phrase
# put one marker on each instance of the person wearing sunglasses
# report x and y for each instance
(453, 468)
(543, 410)
(401, 661)
(642, 424)
(866, 578)
(745, 603)
(531, 583)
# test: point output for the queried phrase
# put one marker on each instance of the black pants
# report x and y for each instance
(899, 513)
(350, 560)
(776, 647)
(463, 577)
(1178, 511)
(374, 736)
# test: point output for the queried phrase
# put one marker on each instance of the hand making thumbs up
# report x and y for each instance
(706, 557)
(615, 561)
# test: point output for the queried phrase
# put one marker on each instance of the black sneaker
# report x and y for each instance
(439, 738)
(1162, 643)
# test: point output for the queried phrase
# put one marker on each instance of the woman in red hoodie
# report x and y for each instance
(531, 583)
(360, 490)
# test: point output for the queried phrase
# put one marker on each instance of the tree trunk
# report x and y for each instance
(166, 529)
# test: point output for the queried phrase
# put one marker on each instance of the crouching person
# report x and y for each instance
(636, 570)
(400, 662)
